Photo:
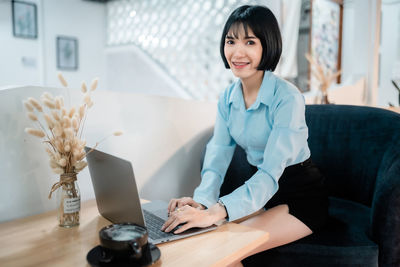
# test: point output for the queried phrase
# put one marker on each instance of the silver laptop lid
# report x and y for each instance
(115, 187)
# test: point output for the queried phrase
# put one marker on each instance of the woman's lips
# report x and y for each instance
(240, 65)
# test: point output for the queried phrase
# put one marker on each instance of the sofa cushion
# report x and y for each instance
(343, 242)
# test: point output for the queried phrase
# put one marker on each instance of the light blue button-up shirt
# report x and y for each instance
(273, 132)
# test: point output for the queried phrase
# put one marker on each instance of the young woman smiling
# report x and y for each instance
(264, 116)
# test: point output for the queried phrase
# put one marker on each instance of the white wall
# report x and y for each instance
(390, 53)
(355, 39)
(84, 20)
(129, 69)
(164, 138)
(358, 45)
(14, 50)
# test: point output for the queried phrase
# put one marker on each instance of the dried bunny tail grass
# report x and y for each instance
(59, 146)
(64, 112)
(57, 156)
(55, 115)
(67, 148)
(71, 112)
(62, 101)
(57, 130)
(83, 87)
(50, 104)
(53, 164)
(66, 122)
(35, 132)
(94, 84)
(57, 102)
(62, 80)
(48, 96)
(62, 162)
(69, 133)
(118, 133)
(32, 116)
(82, 111)
(80, 165)
(75, 123)
(35, 103)
(82, 155)
(28, 106)
(76, 152)
(90, 104)
(49, 121)
(50, 153)
(58, 170)
(86, 99)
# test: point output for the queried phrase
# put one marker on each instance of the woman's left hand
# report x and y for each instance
(192, 217)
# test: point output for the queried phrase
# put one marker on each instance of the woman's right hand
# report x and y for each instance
(180, 202)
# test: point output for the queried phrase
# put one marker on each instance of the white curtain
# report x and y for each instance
(289, 20)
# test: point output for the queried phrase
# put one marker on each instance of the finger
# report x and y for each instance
(184, 201)
(172, 205)
(181, 203)
(169, 204)
(174, 224)
(184, 207)
(187, 201)
(167, 223)
(173, 216)
(184, 227)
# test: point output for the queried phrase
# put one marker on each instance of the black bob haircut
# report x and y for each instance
(265, 27)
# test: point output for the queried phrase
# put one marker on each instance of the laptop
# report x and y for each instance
(118, 199)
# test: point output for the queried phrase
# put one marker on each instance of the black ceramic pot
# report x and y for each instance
(124, 240)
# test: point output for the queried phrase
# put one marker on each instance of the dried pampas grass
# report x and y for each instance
(324, 77)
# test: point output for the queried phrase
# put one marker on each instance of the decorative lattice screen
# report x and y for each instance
(182, 36)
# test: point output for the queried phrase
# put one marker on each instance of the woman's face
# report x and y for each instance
(243, 53)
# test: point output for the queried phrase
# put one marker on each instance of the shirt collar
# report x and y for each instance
(265, 95)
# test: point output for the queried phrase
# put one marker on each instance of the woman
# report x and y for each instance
(265, 116)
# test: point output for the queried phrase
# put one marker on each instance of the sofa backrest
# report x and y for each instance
(350, 144)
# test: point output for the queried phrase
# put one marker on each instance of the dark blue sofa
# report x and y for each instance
(358, 151)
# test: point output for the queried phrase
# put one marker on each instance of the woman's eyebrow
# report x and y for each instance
(246, 37)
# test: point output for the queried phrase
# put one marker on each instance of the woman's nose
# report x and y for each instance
(239, 51)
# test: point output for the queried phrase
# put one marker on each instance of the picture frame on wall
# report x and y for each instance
(326, 36)
(67, 53)
(24, 18)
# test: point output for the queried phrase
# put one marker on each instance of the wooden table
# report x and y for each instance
(39, 241)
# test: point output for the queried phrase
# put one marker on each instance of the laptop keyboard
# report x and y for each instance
(154, 224)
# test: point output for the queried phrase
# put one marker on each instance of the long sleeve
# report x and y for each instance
(285, 147)
(219, 154)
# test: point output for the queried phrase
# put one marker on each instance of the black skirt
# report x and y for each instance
(301, 187)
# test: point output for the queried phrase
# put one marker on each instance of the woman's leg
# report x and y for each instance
(283, 228)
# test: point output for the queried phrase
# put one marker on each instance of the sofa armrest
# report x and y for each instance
(385, 215)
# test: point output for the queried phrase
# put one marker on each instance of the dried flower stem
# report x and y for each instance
(324, 78)
(84, 120)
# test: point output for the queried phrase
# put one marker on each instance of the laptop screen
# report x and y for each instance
(115, 187)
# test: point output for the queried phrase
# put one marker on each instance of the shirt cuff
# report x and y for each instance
(208, 191)
(250, 197)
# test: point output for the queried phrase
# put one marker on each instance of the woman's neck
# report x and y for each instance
(252, 84)
(251, 87)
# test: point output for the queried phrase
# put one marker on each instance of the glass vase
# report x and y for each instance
(68, 201)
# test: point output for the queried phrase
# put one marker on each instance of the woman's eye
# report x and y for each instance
(250, 42)
(229, 42)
